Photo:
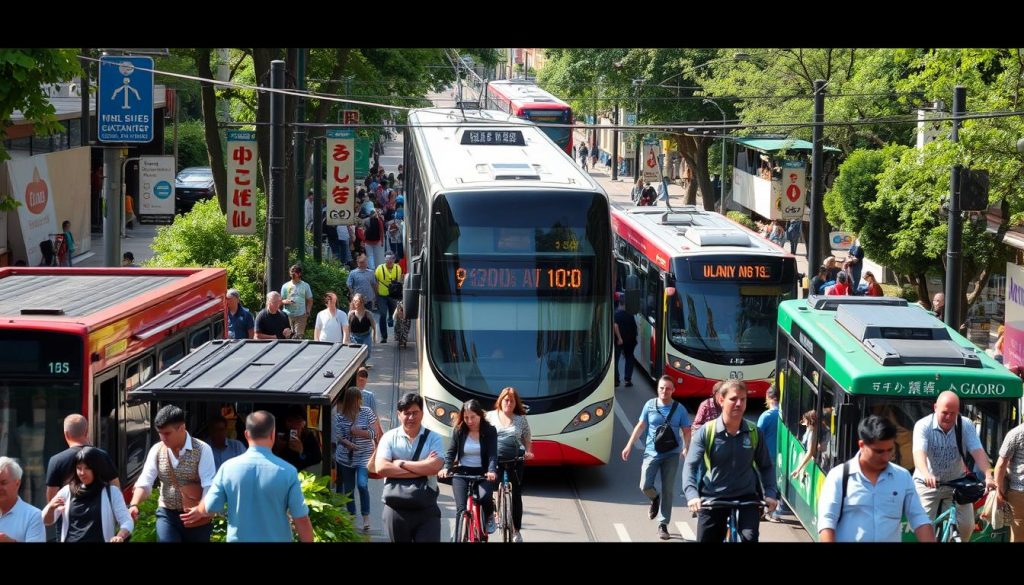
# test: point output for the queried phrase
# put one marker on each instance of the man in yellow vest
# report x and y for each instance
(389, 291)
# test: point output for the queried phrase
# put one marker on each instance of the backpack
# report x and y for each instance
(709, 439)
(374, 229)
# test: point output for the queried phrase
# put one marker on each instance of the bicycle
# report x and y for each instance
(947, 529)
(732, 533)
(503, 499)
(469, 526)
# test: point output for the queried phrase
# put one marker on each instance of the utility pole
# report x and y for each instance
(113, 221)
(814, 236)
(299, 162)
(275, 268)
(615, 143)
(84, 88)
(318, 202)
(954, 245)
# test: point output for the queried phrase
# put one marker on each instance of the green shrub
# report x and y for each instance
(742, 219)
(192, 150)
(906, 291)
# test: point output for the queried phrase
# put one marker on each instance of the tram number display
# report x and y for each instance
(734, 271)
(519, 278)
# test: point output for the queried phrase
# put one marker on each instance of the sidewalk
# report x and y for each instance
(139, 242)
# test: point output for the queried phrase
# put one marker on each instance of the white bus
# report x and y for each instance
(510, 279)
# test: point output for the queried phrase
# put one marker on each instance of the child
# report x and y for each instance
(401, 326)
(69, 242)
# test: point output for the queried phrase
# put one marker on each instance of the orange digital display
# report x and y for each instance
(518, 278)
(735, 271)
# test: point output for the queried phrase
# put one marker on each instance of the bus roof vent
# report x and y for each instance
(903, 336)
(717, 237)
(904, 352)
(513, 172)
(831, 303)
(677, 219)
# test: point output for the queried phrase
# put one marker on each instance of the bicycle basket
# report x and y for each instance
(967, 490)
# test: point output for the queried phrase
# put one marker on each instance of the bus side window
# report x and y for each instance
(791, 412)
(218, 329)
(827, 442)
(171, 353)
(198, 337)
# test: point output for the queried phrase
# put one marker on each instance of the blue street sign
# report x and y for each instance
(631, 119)
(162, 189)
(124, 100)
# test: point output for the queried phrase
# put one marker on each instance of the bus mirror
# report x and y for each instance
(632, 301)
(411, 295)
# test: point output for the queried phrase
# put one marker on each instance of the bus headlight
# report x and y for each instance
(589, 416)
(686, 367)
(441, 411)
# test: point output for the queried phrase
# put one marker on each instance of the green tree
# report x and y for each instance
(191, 144)
(856, 185)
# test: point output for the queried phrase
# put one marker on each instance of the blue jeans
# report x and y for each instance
(353, 478)
(667, 466)
(170, 529)
(625, 349)
(366, 339)
(385, 308)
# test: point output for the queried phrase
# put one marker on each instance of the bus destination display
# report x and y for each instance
(549, 277)
(735, 271)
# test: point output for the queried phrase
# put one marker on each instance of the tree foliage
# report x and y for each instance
(25, 72)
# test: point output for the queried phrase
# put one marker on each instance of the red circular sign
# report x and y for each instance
(36, 194)
(793, 193)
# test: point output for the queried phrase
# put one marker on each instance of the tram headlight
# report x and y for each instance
(442, 411)
(589, 416)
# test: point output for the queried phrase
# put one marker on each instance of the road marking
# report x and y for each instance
(621, 415)
(620, 529)
(686, 532)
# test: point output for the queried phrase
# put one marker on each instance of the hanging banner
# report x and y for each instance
(650, 162)
(241, 199)
(1013, 334)
(30, 186)
(341, 196)
(792, 197)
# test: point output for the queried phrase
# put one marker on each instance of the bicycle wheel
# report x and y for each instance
(505, 514)
(463, 525)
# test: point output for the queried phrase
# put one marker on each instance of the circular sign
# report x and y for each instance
(162, 190)
(126, 68)
(793, 193)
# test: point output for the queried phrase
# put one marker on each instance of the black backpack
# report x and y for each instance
(374, 229)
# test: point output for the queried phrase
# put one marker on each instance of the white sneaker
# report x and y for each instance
(517, 537)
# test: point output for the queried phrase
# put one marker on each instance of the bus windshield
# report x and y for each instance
(560, 136)
(720, 322)
(519, 291)
(32, 427)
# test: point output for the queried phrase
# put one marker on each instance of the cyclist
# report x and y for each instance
(509, 418)
(941, 443)
(474, 451)
(739, 468)
(876, 494)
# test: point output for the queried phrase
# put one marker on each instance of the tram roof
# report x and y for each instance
(259, 370)
(849, 362)
(689, 229)
(535, 164)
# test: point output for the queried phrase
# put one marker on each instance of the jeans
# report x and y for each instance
(667, 466)
(374, 254)
(385, 308)
(366, 339)
(627, 349)
(170, 529)
(460, 491)
(355, 478)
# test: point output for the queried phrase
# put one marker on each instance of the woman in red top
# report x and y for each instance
(874, 289)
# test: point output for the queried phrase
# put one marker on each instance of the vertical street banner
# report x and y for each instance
(341, 196)
(30, 186)
(792, 197)
(1013, 334)
(156, 189)
(650, 162)
(241, 195)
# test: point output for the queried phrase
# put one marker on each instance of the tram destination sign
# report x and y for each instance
(735, 271)
(493, 138)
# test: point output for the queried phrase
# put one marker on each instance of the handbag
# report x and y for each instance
(371, 465)
(191, 494)
(410, 493)
(664, 438)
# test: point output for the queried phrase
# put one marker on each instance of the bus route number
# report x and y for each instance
(525, 278)
(60, 367)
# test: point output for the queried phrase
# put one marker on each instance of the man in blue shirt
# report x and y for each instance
(259, 490)
(240, 322)
(19, 520)
(878, 493)
(768, 424)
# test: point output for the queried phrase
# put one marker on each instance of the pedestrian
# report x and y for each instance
(241, 324)
(362, 281)
(584, 152)
(411, 452)
(19, 520)
(473, 450)
(223, 448)
(401, 326)
(90, 506)
(738, 465)
(128, 260)
(354, 450)
(793, 230)
(360, 327)
(939, 305)
(514, 440)
(944, 445)
(637, 190)
(1010, 479)
(329, 322)
(709, 409)
(624, 328)
(817, 285)
(297, 301)
(185, 467)
(259, 491)
(873, 288)
(69, 242)
(768, 424)
(295, 443)
(369, 400)
(855, 258)
(271, 323)
(661, 456)
(60, 469)
(864, 499)
(389, 291)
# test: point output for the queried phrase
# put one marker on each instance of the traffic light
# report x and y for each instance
(973, 190)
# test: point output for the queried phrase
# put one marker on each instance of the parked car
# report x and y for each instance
(191, 185)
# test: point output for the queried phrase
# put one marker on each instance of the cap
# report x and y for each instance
(233, 292)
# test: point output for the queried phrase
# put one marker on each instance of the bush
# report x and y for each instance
(192, 150)
(742, 219)
(906, 291)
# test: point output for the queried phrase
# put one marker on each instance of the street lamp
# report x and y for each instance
(721, 197)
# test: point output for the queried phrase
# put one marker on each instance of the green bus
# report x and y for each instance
(847, 357)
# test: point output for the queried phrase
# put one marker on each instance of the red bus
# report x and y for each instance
(705, 293)
(77, 339)
(523, 99)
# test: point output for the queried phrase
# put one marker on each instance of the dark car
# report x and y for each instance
(191, 185)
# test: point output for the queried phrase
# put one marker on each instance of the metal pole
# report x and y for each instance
(814, 236)
(84, 87)
(954, 245)
(113, 219)
(276, 260)
(615, 143)
(299, 164)
(721, 176)
(318, 202)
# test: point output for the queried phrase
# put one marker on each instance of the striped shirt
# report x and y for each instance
(343, 430)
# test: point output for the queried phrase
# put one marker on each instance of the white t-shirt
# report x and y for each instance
(330, 327)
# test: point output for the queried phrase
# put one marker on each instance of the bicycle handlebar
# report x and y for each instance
(520, 459)
(468, 476)
(732, 504)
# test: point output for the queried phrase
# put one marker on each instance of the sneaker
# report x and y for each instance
(628, 384)
(652, 512)
(491, 526)
(663, 532)
(517, 537)
(383, 340)
(617, 383)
